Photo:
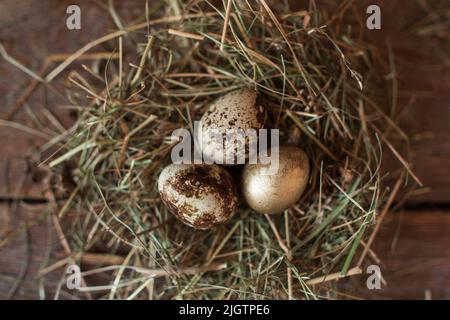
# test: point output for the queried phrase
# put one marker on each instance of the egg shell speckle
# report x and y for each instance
(234, 111)
(201, 196)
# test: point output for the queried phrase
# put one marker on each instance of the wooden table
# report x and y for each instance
(413, 242)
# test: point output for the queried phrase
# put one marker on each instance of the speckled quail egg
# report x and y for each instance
(222, 128)
(201, 196)
(276, 191)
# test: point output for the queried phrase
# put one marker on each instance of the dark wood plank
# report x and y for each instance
(23, 251)
(30, 39)
(423, 78)
(413, 248)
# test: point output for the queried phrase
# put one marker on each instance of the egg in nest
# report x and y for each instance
(201, 196)
(277, 191)
(223, 128)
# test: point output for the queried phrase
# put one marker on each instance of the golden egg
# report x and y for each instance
(273, 192)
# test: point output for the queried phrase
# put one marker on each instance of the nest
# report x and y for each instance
(315, 81)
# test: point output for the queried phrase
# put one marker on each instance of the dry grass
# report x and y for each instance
(161, 77)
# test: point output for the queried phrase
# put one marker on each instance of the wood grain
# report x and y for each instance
(414, 250)
(412, 245)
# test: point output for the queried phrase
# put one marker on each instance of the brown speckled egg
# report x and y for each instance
(201, 196)
(277, 191)
(228, 117)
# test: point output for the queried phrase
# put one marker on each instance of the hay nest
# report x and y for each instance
(315, 81)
